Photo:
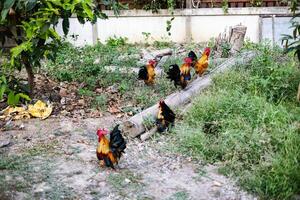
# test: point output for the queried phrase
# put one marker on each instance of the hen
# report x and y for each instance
(111, 146)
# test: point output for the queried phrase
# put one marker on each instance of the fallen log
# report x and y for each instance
(134, 126)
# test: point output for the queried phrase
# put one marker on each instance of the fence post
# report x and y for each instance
(95, 33)
(188, 4)
(188, 26)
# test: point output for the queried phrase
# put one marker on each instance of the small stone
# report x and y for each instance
(4, 143)
(217, 184)
(81, 102)
(21, 126)
(63, 92)
(127, 180)
(63, 101)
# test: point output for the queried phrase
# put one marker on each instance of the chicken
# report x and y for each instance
(147, 73)
(193, 56)
(181, 75)
(165, 117)
(202, 64)
(110, 148)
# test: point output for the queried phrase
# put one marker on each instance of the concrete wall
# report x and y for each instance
(197, 24)
(273, 27)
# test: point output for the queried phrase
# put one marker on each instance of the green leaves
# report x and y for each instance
(12, 98)
(33, 28)
(7, 5)
(65, 25)
(292, 42)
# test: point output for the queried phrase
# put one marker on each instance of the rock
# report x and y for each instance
(4, 143)
(81, 102)
(63, 101)
(217, 184)
(127, 180)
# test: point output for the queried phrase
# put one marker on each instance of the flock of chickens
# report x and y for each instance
(111, 144)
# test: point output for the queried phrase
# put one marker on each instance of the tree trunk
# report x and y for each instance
(236, 38)
(30, 74)
(134, 126)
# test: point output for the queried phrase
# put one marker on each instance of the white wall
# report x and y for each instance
(206, 27)
(132, 28)
(198, 24)
(83, 32)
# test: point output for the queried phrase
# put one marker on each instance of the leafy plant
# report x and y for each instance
(13, 98)
(248, 123)
(225, 46)
(31, 25)
(101, 100)
(147, 37)
(116, 41)
(225, 6)
(292, 42)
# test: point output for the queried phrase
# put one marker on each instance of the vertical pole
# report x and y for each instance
(260, 24)
(273, 29)
(188, 27)
(95, 33)
(188, 4)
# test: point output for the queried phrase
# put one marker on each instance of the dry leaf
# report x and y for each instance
(40, 110)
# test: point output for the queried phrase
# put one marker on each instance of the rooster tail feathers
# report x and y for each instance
(174, 74)
(143, 73)
(192, 55)
(168, 117)
(117, 142)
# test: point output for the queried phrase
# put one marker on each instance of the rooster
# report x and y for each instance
(147, 73)
(202, 64)
(110, 148)
(181, 75)
(165, 117)
(193, 56)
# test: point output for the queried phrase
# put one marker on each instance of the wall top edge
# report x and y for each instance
(205, 12)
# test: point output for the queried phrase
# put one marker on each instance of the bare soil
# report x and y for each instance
(55, 159)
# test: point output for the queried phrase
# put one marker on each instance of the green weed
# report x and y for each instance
(249, 121)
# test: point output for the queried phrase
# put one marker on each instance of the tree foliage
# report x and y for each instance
(292, 42)
(31, 26)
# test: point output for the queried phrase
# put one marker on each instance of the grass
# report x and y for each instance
(249, 122)
(181, 195)
(86, 65)
(125, 182)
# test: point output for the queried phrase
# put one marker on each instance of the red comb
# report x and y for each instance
(188, 60)
(151, 62)
(207, 51)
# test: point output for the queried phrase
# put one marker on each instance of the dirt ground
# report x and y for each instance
(55, 159)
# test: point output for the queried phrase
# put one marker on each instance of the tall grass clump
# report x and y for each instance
(249, 121)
